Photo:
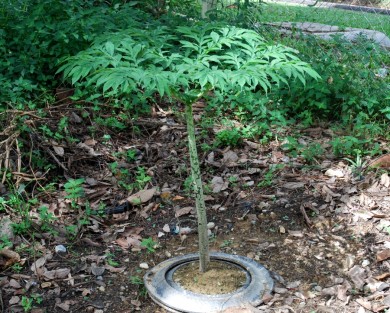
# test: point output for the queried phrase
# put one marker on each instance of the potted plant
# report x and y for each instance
(187, 64)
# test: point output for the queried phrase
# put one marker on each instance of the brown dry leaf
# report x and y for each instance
(90, 142)
(97, 270)
(134, 241)
(177, 198)
(383, 161)
(253, 145)
(113, 269)
(90, 242)
(242, 309)
(334, 172)
(293, 185)
(64, 305)
(142, 196)
(230, 157)
(295, 233)
(131, 231)
(14, 300)
(86, 292)
(218, 184)
(184, 211)
(144, 212)
(59, 150)
(122, 242)
(87, 148)
(385, 180)
(60, 273)
(46, 284)
(364, 303)
(382, 276)
(11, 257)
(357, 275)
(14, 284)
(342, 291)
(136, 303)
(383, 255)
(40, 262)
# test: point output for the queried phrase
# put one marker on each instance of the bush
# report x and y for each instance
(350, 86)
(35, 34)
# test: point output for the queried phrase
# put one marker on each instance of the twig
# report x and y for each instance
(1, 301)
(307, 220)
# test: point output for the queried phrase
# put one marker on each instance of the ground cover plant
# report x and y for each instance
(273, 12)
(95, 185)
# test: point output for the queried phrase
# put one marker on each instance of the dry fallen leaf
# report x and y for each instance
(218, 184)
(10, 258)
(383, 161)
(229, 157)
(59, 150)
(14, 300)
(60, 273)
(334, 173)
(113, 269)
(382, 276)
(385, 180)
(383, 255)
(40, 262)
(293, 185)
(357, 275)
(142, 196)
(184, 211)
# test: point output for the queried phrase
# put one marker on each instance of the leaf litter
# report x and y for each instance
(323, 234)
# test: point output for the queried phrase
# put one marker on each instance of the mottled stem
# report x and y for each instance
(204, 257)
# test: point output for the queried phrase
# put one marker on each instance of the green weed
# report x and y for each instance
(229, 137)
(149, 244)
(74, 190)
(269, 176)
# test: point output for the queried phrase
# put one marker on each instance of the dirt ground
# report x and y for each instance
(321, 228)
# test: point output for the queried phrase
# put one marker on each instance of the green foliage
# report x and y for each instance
(46, 218)
(74, 190)
(351, 85)
(129, 180)
(229, 137)
(136, 280)
(268, 177)
(226, 59)
(352, 146)
(149, 244)
(5, 242)
(312, 152)
(35, 34)
(27, 303)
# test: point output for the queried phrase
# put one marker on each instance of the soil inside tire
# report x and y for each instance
(220, 278)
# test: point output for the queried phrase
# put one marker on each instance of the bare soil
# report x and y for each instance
(220, 278)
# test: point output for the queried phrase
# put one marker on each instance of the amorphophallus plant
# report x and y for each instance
(185, 64)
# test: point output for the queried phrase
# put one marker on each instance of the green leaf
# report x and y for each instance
(110, 48)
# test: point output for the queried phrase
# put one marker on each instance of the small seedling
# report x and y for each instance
(226, 243)
(110, 259)
(141, 178)
(5, 242)
(17, 268)
(74, 190)
(269, 176)
(135, 280)
(357, 165)
(229, 137)
(149, 244)
(72, 231)
(46, 218)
